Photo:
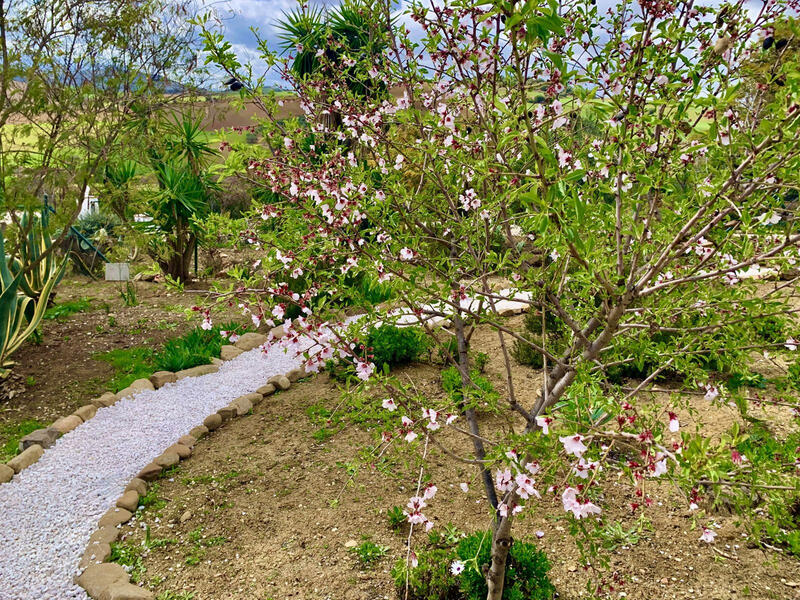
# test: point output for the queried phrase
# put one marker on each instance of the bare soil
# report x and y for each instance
(280, 508)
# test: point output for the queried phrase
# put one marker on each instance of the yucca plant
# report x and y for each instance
(20, 314)
(36, 243)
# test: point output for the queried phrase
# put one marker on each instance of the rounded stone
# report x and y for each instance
(187, 440)
(266, 390)
(67, 424)
(167, 459)
(128, 591)
(280, 382)
(150, 472)
(213, 422)
(114, 517)
(230, 352)
(161, 378)
(95, 554)
(104, 535)
(137, 485)
(199, 432)
(26, 458)
(86, 412)
(107, 399)
(296, 374)
(242, 405)
(6, 473)
(248, 341)
(179, 449)
(129, 501)
(227, 413)
(97, 579)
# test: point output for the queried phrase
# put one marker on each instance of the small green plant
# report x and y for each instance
(394, 346)
(397, 518)
(322, 435)
(197, 347)
(431, 579)
(481, 389)
(63, 310)
(30, 381)
(128, 294)
(151, 500)
(368, 553)
(526, 570)
(129, 556)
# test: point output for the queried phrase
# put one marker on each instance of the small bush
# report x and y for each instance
(395, 346)
(195, 348)
(772, 329)
(397, 519)
(369, 553)
(526, 570)
(481, 391)
(431, 579)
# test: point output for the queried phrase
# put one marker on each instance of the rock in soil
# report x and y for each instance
(26, 458)
(44, 437)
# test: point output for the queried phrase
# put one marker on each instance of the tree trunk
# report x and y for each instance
(501, 545)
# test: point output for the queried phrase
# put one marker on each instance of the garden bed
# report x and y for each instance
(284, 502)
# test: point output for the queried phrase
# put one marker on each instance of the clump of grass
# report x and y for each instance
(368, 553)
(197, 347)
(13, 433)
(63, 310)
(129, 364)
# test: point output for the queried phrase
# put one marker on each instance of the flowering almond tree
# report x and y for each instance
(610, 171)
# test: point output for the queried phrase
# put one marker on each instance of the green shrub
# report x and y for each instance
(393, 346)
(779, 522)
(481, 391)
(772, 329)
(431, 579)
(526, 570)
(525, 354)
(368, 553)
(197, 347)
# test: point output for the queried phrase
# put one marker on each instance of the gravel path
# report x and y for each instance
(50, 509)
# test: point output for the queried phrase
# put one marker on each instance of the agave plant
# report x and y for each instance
(33, 280)
(20, 314)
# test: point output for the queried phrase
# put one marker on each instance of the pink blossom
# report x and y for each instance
(503, 480)
(389, 404)
(659, 468)
(792, 344)
(406, 254)
(457, 567)
(207, 324)
(544, 422)
(573, 444)
(708, 536)
(579, 508)
(364, 369)
(674, 424)
(712, 392)
(429, 491)
(464, 486)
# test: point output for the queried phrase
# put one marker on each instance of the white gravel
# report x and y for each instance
(48, 511)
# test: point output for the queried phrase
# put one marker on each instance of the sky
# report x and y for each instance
(240, 15)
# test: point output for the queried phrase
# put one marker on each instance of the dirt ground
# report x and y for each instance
(269, 507)
(266, 509)
(56, 376)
